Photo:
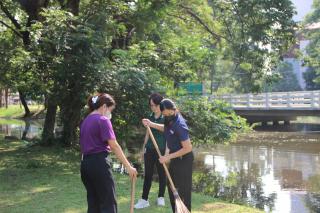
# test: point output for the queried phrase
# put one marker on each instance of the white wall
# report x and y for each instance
(297, 69)
(297, 64)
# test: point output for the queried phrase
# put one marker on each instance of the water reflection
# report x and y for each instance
(20, 129)
(244, 186)
(268, 177)
(294, 127)
(313, 195)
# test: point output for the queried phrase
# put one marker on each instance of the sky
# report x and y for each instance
(302, 7)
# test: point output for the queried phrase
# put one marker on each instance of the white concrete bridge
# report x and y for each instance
(275, 106)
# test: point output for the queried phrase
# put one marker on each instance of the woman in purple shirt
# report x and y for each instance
(97, 139)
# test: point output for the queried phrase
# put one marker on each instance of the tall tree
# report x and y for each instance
(312, 28)
(19, 25)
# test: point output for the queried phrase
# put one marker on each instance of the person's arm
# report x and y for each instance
(116, 148)
(146, 138)
(186, 148)
(167, 150)
(147, 122)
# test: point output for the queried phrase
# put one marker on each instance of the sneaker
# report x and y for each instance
(142, 204)
(160, 201)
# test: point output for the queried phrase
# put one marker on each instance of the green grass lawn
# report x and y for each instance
(17, 111)
(46, 179)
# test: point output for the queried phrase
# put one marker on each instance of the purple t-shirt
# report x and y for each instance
(95, 131)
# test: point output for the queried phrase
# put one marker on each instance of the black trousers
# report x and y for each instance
(181, 172)
(151, 159)
(97, 178)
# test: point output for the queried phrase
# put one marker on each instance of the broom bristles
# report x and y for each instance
(180, 207)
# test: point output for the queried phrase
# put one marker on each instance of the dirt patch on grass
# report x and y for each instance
(214, 206)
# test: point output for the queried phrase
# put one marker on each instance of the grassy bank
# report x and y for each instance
(17, 111)
(46, 179)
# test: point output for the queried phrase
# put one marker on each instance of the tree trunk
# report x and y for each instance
(71, 107)
(45, 102)
(73, 6)
(212, 72)
(70, 116)
(50, 120)
(6, 94)
(26, 130)
(1, 95)
(175, 84)
(24, 103)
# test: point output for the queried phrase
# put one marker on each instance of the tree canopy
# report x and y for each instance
(64, 50)
(312, 76)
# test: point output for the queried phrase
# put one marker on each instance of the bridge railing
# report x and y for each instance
(274, 100)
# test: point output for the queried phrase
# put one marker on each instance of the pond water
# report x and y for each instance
(274, 168)
(275, 172)
(19, 129)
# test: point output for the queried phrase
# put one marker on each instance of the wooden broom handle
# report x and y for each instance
(133, 187)
(164, 165)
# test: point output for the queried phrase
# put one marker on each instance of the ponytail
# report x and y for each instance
(95, 102)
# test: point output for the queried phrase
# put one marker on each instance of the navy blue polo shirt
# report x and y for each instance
(176, 132)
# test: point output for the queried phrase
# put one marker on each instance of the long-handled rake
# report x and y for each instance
(180, 207)
(133, 189)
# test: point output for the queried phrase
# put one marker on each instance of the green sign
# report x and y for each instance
(192, 88)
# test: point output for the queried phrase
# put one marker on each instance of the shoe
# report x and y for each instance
(142, 204)
(160, 201)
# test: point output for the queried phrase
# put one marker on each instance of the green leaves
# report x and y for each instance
(312, 58)
(130, 81)
(210, 121)
(257, 34)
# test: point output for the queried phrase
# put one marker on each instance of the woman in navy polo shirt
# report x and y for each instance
(97, 139)
(179, 150)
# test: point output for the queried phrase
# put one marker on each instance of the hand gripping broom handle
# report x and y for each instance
(173, 188)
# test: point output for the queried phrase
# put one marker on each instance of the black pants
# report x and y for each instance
(151, 159)
(97, 178)
(181, 172)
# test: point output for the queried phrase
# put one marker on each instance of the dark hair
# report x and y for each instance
(101, 98)
(156, 98)
(167, 104)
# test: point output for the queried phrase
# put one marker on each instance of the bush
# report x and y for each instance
(210, 122)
